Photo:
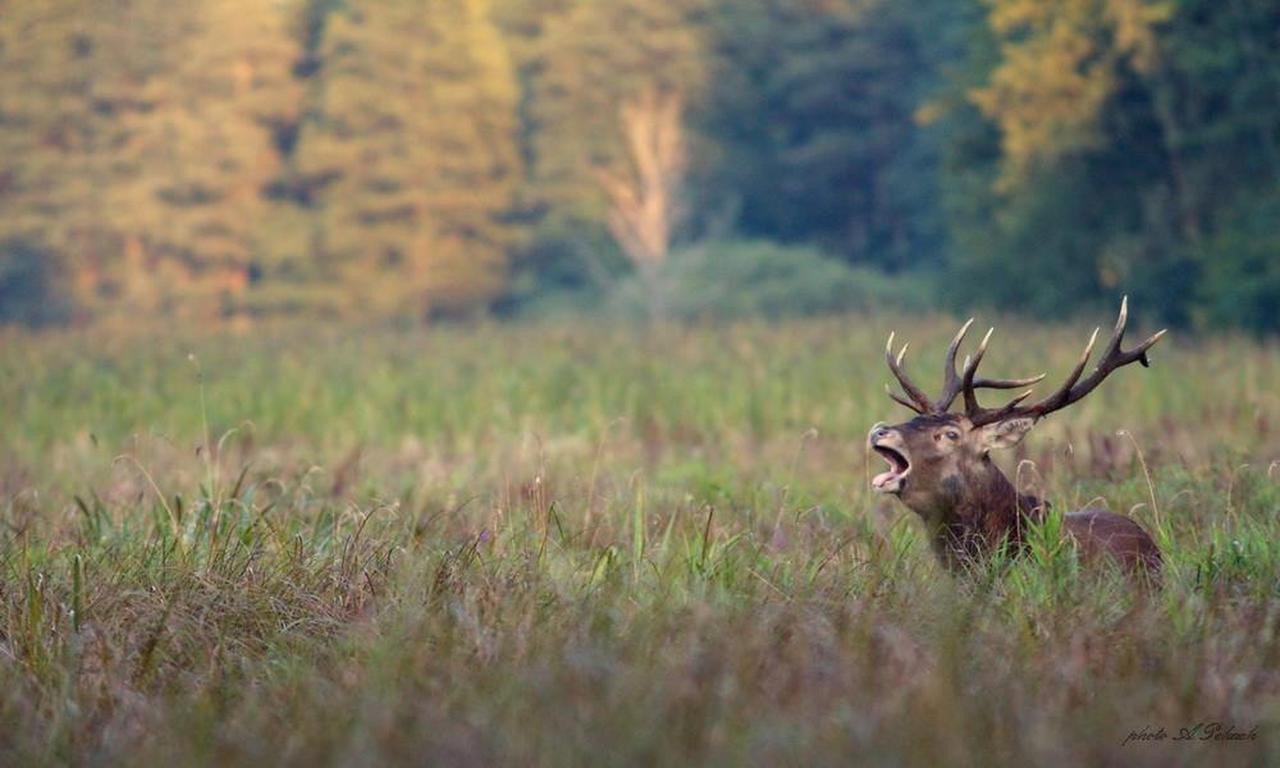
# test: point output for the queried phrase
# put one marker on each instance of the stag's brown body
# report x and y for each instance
(940, 464)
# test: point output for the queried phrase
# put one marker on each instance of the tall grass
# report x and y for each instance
(595, 545)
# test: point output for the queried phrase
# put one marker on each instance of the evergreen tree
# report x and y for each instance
(412, 147)
(192, 175)
(68, 73)
(1216, 95)
(138, 134)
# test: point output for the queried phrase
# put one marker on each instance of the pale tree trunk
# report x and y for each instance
(645, 195)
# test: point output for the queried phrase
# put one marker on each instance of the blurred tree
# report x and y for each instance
(137, 135)
(1217, 96)
(595, 58)
(1061, 63)
(59, 116)
(1240, 263)
(523, 25)
(814, 109)
(581, 60)
(382, 156)
(1125, 140)
(412, 155)
(1068, 191)
(190, 198)
(646, 199)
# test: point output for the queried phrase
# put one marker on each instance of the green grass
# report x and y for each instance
(603, 546)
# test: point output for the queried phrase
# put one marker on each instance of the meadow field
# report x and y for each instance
(599, 545)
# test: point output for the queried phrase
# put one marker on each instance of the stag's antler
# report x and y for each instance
(953, 383)
(967, 383)
(1072, 390)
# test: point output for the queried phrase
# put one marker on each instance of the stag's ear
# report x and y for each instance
(1004, 434)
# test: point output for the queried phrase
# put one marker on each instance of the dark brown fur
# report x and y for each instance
(1101, 533)
(970, 507)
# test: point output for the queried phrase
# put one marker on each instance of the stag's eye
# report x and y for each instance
(951, 435)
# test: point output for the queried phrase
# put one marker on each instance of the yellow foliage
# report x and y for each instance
(415, 149)
(1058, 67)
(147, 142)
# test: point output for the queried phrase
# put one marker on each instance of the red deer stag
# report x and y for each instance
(940, 465)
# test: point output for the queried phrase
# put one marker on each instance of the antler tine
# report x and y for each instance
(951, 381)
(1004, 411)
(971, 406)
(954, 384)
(1141, 349)
(1007, 383)
(1117, 335)
(1060, 395)
(919, 401)
(895, 397)
(1074, 388)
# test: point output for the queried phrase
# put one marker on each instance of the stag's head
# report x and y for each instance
(938, 455)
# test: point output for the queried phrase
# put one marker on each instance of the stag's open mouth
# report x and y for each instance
(899, 467)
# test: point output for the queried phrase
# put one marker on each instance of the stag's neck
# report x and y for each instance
(981, 509)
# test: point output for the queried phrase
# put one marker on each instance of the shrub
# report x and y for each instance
(754, 278)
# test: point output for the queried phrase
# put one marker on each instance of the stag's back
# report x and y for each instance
(1101, 534)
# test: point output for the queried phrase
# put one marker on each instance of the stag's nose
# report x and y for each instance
(879, 431)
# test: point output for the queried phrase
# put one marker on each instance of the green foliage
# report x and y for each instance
(562, 266)
(1119, 150)
(813, 112)
(1240, 266)
(745, 278)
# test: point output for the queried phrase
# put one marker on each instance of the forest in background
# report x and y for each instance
(235, 159)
